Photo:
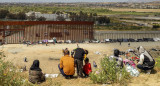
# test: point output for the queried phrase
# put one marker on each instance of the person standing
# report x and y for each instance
(54, 40)
(128, 44)
(46, 42)
(78, 58)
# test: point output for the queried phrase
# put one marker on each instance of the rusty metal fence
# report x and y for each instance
(16, 31)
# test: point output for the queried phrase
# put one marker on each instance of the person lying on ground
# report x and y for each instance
(78, 55)
(118, 59)
(66, 66)
(35, 73)
(146, 62)
(87, 67)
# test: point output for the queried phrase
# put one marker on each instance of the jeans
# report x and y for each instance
(62, 72)
(79, 65)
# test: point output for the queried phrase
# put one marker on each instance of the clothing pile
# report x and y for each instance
(131, 67)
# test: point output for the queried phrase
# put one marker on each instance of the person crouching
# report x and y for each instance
(87, 67)
(66, 66)
(146, 62)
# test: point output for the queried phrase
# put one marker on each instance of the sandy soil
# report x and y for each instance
(50, 55)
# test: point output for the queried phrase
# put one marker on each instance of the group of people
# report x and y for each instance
(68, 64)
(146, 62)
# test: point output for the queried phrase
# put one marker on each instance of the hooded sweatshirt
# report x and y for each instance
(145, 58)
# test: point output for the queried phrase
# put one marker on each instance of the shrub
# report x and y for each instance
(109, 73)
(157, 64)
(9, 76)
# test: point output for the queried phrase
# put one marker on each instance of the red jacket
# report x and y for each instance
(87, 68)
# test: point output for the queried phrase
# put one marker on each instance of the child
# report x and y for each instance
(87, 67)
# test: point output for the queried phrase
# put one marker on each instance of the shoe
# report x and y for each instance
(67, 77)
(148, 72)
(71, 76)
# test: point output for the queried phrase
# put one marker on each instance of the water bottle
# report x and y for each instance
(128, 68)
(94, 64)
(25, 59)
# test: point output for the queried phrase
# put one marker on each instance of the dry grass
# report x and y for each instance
(16, 53)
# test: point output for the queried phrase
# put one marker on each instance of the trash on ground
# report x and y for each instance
(97, 52)
(130, 50)
(51, 75)
(94, 64)
(50, 58)
(133, 71)
(153, 49)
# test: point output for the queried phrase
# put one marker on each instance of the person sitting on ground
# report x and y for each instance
(79, 55)
(87, 67)
(35, 73)
(66, 65)
(118, 59)
(146, 62)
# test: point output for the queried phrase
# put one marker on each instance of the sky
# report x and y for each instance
(32, 1)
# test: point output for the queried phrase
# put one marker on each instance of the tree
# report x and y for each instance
(3, 13)
(21, 16)
(11, 16)
(41, 19)
(31, 18)
(53, 12)
(94, 14)
(60, 18)
(58, 12)
(103, 20)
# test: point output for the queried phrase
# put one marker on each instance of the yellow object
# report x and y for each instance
(85, 55)
(67, 63)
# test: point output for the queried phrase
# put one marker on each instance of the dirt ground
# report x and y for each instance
(49, 57)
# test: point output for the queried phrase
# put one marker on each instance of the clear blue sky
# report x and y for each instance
(75, 0)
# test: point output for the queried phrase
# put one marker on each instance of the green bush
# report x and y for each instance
(109, 73)
(157, 64)
(10, 76)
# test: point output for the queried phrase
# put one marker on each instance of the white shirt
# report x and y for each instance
(120, 60)
(141, 59)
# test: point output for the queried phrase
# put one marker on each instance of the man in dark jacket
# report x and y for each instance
(78, 58)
